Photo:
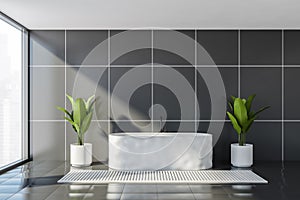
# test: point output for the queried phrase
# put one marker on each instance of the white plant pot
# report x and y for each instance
(81, 155)
(241, 156)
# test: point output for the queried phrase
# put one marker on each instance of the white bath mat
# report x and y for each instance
(200, 177)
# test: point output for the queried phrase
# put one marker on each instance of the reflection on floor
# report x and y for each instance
(38, 180)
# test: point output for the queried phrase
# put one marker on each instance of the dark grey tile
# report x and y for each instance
(186, 196)
(166, 105)
(130, 93)
(291, 141)
(291, 96)
(110, 196)
(69, 192)
(46, 92)
(130, 47)
(111, 188)
(48, 141)
(201, 196)
(88, 47)
(176, 188)
(174, 47)
(221, 45)
(221, 139)
(47, 164)
(229, 78)
(291, 47)
(210, 189)
(20, 196)
(99, 192)
(282, 184)
(266, 84)
(179, 126)
(139, 188)
(260, 47)
(130, 126)
(83, 82)
(47, 47)
(266, 138)
(173, 93)
(127, 196)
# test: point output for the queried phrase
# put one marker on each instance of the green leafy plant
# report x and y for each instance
(81, 115)
(241, 115)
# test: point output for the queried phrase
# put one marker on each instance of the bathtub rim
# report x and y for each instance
(155, 134)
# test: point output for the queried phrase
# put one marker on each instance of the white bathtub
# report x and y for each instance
(160, 151)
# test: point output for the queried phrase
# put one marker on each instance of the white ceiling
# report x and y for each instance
(174, 14)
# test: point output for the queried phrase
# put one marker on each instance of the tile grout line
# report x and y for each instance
(196, 82)
(282, 95)
(152, 87)
(239, 63)
(203, 120)
(116, 66)
(65, 92)
(108, 84)
(170, 28)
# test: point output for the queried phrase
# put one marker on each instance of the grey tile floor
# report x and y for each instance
(37, 180)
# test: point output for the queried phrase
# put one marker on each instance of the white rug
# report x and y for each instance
(167, 177)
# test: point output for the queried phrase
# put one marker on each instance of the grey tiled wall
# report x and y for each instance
(265, 62)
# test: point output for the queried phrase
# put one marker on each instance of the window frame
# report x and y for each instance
(26, 139)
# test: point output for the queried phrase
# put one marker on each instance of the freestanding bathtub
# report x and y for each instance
(160, 151)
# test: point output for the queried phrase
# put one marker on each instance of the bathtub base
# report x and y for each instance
(164, 151)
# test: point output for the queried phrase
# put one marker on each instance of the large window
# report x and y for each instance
(13, 137)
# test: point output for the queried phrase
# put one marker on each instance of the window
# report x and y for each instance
(13, 65)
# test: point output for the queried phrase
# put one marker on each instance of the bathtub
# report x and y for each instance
(160, 151)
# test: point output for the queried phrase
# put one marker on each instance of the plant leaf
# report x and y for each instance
(64, 110)
(249, 102)
(234, 122)
(89, 102)
(240, 112)
(251, 114)
(71, 100)
(260, 110)
(79, 111)
(232, 98)
(91, 106)
(73, 124)
(248, 124)
(244, 101)
(230, 105)
(86, 122)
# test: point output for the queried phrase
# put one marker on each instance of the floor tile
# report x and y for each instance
(283, 184)
(14, 181)
(207, 189)
(28, 196)
(9, 188)
(171, 188)
(138, 196)
(139, 188)
(5, 196)
(186, 196)
(207, 196)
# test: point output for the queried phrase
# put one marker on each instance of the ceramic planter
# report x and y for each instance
(81, 155)
(241, 156)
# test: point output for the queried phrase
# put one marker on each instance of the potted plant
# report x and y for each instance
(80, 118)
(242, 118)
